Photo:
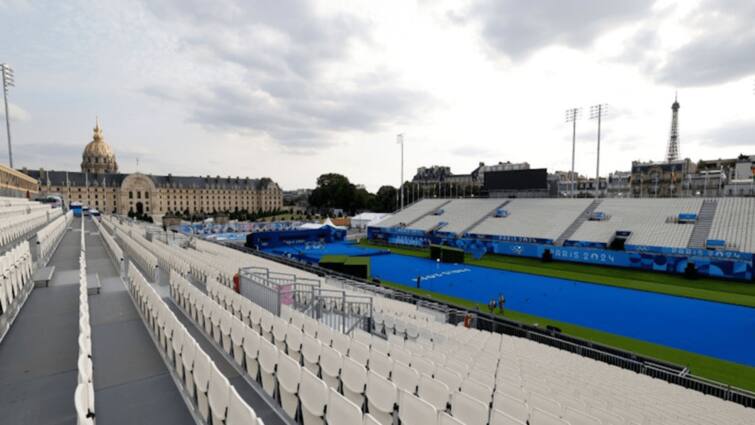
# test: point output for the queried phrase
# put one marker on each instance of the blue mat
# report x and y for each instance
(718, 330)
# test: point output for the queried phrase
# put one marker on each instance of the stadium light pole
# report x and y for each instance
(597, 112)
(8, 81)
(400, 141)
(572, 114)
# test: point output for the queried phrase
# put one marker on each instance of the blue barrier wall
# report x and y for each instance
(720, 264)
(272, 239)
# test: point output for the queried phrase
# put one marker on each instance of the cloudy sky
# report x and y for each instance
(293, 89)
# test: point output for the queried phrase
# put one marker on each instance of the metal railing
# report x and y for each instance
(340, 310)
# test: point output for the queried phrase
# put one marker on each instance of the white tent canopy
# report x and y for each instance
(326, 223)
(361, 221)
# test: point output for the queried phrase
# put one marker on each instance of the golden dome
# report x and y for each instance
(98, 158)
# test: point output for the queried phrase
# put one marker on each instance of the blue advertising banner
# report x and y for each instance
(722, 264)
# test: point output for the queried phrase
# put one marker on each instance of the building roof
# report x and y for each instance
(76, 178)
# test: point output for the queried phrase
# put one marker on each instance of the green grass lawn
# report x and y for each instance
(707, 367)
(723, 291)
(739, 293)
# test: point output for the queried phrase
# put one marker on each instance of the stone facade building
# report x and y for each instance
(99, 185)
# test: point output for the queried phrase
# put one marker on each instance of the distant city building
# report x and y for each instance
(437, 174)
(661, 179)
(584, 187)
(100, 186)
(619, 184)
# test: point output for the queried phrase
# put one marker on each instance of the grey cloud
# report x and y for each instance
(283, 50)
(518, 28)
(737, 133)
(723, 50)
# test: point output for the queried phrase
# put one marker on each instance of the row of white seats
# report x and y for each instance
(300, 392)
(215, 399)
(21, 209)
(15, 227)
(458, 215)
(48, 236)
(734, 222)
(533, 218)
(364, 368)
(84, 395)
(15, 282)
(7, 201)
(138, 254)
(412, 212)
(111, 244)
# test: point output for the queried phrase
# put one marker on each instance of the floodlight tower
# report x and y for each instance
(598, 112)
(8, 81)
(400, 141)
(572, 114)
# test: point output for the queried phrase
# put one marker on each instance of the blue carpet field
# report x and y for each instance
(723, 331)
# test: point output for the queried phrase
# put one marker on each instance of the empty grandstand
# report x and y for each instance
(678, 235)
(154, 319)
(538, 219)
(649, 222)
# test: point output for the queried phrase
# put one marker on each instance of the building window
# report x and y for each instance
(138, 195)
(146, 195)
(130, 195)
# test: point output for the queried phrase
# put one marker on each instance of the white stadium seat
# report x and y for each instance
(341, 411)
(353, 380)
(468, 409)
(434, 392)
(218, 395)
(313, 394)
(415, 411)
(331, 362)
(405, 377)
(289, 377)
(382, 396)
(268, 360)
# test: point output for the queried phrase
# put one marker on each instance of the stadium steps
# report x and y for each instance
(448, 201)
(489, 213)
(578, 222)
(704, 224)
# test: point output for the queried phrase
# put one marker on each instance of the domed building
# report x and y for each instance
(98, 158)
(100, 185)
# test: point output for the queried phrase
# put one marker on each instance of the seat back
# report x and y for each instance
(434, 392)
(239, 413)
(541, 417)
(414, 411)
(405, 377)
(512, 406)
(218, 393)
(342, 411)
(380, 362)
(313, 394)
(468, 409)
(382, 394)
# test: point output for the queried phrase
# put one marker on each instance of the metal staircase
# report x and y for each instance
(577, 222)
(432, 211)
(488, 214)
(703, 224)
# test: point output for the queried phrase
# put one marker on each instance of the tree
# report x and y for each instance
(333, 191)
(385, 199)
